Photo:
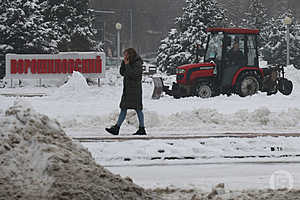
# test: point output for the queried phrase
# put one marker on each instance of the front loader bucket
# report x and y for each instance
(158, 87)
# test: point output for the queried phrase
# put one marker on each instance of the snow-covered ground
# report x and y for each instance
(195, 151)
(203, 163)
(205, 177)
(84, 111)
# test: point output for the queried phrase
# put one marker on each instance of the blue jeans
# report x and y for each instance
(123, 114)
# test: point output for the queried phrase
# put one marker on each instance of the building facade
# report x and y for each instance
(144, 23)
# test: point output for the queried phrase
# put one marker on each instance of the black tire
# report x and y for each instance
(176, 91)
(297, 66)
(285, 86)
(203, 91)
(176, 96)
(247, 85)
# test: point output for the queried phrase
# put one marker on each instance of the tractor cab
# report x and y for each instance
(231, 50)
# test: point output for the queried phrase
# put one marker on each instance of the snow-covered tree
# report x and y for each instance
(170, 53)
(234, 11)
(275, 50)
(198, 15)
(73, 22)
(256, 15)
(23, 29)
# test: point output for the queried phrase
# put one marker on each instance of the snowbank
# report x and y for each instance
(76, 86)
(211, 119)
(38, 161)
(76, 83)
(197, 121)
(293, 74)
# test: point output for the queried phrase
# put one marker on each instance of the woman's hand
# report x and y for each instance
(126, 59)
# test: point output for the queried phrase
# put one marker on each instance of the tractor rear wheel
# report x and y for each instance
(203, 91)
(285, 86)
(247, 85)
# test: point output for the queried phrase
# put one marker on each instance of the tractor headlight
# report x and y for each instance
(180, 71)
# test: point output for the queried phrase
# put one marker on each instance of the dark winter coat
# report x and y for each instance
(132, 84)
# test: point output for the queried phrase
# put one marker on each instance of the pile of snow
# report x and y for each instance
(76, 83)
(293, 74)
(198, 121)
(211, 119)
(38, 161)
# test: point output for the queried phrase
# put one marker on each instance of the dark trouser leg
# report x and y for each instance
(122, 117)
(140, 115)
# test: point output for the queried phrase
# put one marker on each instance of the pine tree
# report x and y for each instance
(169, 56)
(235, 11)
(73, 21)
(23, 29)
(197, 17)
(256, 15)
(275, 50)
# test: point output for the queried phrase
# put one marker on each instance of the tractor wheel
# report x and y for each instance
(203, 91)
(285, 86)
(247, 85)
(176, 91)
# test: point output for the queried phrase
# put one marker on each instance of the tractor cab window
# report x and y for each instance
(235, 50)
(214, 48)
(251, 49)
(234, 41)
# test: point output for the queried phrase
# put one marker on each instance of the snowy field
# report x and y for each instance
(84, 111)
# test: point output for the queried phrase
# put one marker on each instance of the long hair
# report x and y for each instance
(131, 54)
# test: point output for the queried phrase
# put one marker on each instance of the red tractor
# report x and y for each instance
(230, 67)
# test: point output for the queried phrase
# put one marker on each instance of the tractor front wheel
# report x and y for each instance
(247, 85)
(203, 91)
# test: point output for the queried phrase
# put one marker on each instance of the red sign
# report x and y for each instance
(56, 66)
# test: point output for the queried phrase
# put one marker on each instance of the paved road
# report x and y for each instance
(176, 137)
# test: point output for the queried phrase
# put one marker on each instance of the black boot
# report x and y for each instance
(141, 131)
(114, 130)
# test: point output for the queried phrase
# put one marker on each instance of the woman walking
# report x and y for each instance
(131, 69)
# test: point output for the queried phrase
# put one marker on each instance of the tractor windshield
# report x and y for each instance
(214, 48)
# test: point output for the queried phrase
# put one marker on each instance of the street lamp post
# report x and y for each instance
(131, 28)
(118, 11)
(287, 21)
(118, 27)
